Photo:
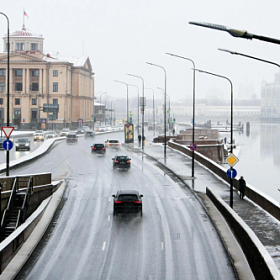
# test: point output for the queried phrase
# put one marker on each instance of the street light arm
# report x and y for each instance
(249, 56)
(236, 33)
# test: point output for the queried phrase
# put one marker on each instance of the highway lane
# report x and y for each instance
(173, 240)
(17, 154)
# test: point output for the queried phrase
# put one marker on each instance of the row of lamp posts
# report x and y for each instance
(233, 32)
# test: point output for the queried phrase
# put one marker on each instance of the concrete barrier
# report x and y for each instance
(261, 263)
(264, 201)
(39, 200)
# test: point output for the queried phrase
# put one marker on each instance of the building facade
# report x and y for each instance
(45, 92)
(270, 99)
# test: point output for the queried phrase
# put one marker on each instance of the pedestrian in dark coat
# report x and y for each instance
(242, 186)
(139, 139)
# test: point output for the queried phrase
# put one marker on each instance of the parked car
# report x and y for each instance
(98, 148)
(50, 134)
(89, 134)
(102, 129)
(64, 132)
(127, 201)
(22, 144)
(71, 138)
(122, 162)
(38, 136)
(112, 143)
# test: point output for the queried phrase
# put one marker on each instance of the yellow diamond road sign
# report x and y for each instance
(232, 159)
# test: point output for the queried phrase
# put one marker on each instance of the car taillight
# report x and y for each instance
(104, 148)
(138, 201)
(117, 201)
(94, 148)
(118, 144)
(116, 161)
(128, 161)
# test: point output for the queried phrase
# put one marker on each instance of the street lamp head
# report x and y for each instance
(224, 50)
(232, 32)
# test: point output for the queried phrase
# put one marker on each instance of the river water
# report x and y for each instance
(259, 157)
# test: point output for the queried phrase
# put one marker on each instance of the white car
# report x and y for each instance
(102, 129)
(112, 143)
(64, 132)
(39, 136)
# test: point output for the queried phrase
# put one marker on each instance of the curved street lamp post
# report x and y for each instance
(235, 32)
(127, 109)
(154, 120)
(193, 120)
(137, 105)
(156, 65)
(231, 124)
(142, 106)
(100, 104)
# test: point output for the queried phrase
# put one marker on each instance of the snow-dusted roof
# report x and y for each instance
(78, 61)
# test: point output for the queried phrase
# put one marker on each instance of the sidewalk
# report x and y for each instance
(266, 227)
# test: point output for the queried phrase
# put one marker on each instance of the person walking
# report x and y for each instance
(139, 139)
(242, 186)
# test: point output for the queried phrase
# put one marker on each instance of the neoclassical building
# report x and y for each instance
(45, 92)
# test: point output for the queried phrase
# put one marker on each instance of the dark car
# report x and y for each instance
(127, 201)
(22, 144)
(98, 149)
(72, 138)
(89, 134)
(121, 162)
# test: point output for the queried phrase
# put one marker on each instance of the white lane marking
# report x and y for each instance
(110, 198)
(162, 246)
(109, 217)
(104, 245)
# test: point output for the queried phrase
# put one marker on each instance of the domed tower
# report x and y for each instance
(24, 42)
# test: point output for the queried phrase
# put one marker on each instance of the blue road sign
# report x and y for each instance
(193, 147)
(7, 145)
(231, 173)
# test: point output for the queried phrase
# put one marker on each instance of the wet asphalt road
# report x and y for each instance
(173, 240)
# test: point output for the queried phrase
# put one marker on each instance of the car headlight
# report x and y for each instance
(16, 144)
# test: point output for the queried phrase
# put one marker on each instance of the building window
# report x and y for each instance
(18, 86)
(17, 101)
(2, 86)
(35, 87)
(34, 46)
(18, 72)
(55, 87)
(35, 73)
(1, 101)
(19, 46)
(55, 101)
(34, 115)
(7, 47)
(34, 101)
(2, 72)
(55, 73)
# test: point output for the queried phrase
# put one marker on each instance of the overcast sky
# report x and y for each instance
(120, 36)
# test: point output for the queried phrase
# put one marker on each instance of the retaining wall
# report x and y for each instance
(253, 194)
(261, 263)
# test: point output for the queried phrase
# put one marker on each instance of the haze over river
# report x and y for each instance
(259, 157)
